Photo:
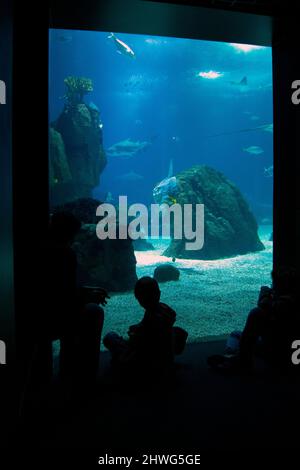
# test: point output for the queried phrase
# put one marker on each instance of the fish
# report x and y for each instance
(65, 38)
(211, 75)
(242, 83)
(267, 128)
(254, 118)
(254, 150)
(109, 197)
(264, 127)
(127, 148)
(130, 177)
(268, 171)
(122, 48)
(166, 191)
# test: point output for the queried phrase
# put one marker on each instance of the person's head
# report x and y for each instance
(147, 292)
(63, 227)
(284, 280)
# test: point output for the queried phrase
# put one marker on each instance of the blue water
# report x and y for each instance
(159, 97)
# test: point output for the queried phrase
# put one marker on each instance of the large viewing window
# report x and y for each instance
(174, 121)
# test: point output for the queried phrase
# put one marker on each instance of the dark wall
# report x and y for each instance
(147, 17)
(286, 142)
(6, 224)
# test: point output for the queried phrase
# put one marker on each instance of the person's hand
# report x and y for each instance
(101, 295)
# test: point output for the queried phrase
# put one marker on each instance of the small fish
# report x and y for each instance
(154, 42)
(211, 75)
(268, 172)
(122, 48)
(109, 197)
(267, 128)
(254, 150)
(172, 199)
(65, 38)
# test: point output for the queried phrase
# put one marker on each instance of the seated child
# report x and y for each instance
(154, 341)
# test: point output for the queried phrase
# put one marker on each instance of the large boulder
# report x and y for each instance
(77, 157)
(166, 272)
(107, 263)
(230, 228)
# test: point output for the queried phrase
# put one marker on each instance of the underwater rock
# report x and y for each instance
(142, 245)
(80, 134)
(59, 170)
(84, 209)
(106, 263)
(166, 272)
(230, 228)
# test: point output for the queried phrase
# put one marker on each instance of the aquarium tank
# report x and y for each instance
(170, 122)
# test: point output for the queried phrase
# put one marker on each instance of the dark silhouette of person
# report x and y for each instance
(72, 313)
(269, 330)
(270, 325)
(153, 342)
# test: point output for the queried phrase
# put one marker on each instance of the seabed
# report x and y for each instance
(211, 298)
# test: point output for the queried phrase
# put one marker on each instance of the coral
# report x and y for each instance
(77, 87)
(77, 137)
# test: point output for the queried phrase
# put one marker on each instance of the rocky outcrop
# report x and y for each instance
(166, 272)
(230, 228)
(107, 263)
(142, 245)
(77, 156)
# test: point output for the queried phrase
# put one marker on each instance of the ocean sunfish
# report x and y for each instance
(165, 192)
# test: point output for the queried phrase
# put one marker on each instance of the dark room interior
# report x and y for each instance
(198, 410)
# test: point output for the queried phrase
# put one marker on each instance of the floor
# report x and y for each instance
(197, 409)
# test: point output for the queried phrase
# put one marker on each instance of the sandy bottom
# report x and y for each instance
(210, 298)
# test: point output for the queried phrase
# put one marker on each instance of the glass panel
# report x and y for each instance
(173, 121)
